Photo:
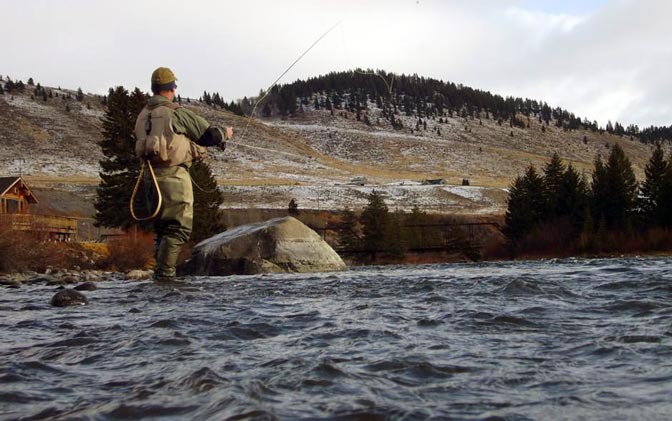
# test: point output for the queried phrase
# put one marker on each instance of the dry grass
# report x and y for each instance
(130, 251)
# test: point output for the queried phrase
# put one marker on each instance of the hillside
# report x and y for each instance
(313, 155)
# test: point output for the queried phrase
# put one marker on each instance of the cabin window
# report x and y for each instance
(12, 206)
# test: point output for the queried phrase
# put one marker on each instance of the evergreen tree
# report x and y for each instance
(598, 189)
(665, 202)
(573, 199)
(622, 189)
(120, 167)
(2, 90)
(396, 235)
(293, 208)
(31, 82)
(349, 236)
(525, 206)
(266, 111)
(554, 173)
(207, 200)
(80, 95)
(375, 219)
(658, 174)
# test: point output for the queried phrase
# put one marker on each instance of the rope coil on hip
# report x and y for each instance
(159, 202)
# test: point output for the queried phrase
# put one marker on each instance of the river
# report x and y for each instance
(561, 339)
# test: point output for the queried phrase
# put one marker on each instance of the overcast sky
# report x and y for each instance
(601, 59)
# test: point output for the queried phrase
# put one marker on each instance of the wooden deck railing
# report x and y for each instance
(61, 226)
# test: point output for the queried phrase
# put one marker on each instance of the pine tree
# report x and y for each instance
(349, 236)
(266, 111)
(598, 189)
(574, 198)
(31, 82)
(622, 189)
(375, 219)
(120, 167)
(554, 172)
(207, 200)
(80, 95)
(396, 235)
(665, 203)
(293, 208)
(658, 174)
(525, 206)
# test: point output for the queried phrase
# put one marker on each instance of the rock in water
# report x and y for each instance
(275, 246)
(86, 286)
(69, 297)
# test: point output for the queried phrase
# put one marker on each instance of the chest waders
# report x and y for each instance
(167, 155)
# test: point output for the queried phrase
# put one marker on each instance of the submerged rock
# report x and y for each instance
(86, 286)
(279, 245)
(69, 297)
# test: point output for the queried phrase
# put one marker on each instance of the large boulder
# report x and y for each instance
(278, 245)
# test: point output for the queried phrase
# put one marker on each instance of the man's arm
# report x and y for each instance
(196, 128)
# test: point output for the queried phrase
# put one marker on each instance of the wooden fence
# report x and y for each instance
(58, 228)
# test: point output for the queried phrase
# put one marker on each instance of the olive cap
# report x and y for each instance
(163, 76)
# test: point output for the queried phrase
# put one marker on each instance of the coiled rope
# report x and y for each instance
(159, 202)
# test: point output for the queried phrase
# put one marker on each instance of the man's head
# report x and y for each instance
(163, 82)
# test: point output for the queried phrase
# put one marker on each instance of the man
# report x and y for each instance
(170, 137)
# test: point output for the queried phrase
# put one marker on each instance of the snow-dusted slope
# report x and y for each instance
(314, 156)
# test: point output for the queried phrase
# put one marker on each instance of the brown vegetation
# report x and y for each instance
(133, 250)
(552, 240)
(22, 251)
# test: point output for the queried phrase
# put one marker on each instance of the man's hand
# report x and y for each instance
(229, 133)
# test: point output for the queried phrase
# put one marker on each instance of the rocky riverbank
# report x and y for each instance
(69, 278)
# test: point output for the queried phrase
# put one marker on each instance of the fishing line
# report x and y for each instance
(346, 52)
(268, 91)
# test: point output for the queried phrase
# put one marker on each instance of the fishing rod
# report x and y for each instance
(268, 91)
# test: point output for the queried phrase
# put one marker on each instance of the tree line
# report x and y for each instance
(422, 97)
(559, 209)
(377, 232)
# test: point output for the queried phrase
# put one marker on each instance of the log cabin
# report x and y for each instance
(15, 196)
(15, 200)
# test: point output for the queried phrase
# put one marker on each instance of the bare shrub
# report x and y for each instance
(130, 251)
(548, 238)
(22, 251)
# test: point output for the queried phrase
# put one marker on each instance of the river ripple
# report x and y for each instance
(567, 339)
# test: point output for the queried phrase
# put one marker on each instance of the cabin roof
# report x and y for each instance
(6, 183)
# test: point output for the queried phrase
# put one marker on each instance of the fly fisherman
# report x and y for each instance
(170, 137)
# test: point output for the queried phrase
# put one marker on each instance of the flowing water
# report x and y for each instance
(567, 339)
